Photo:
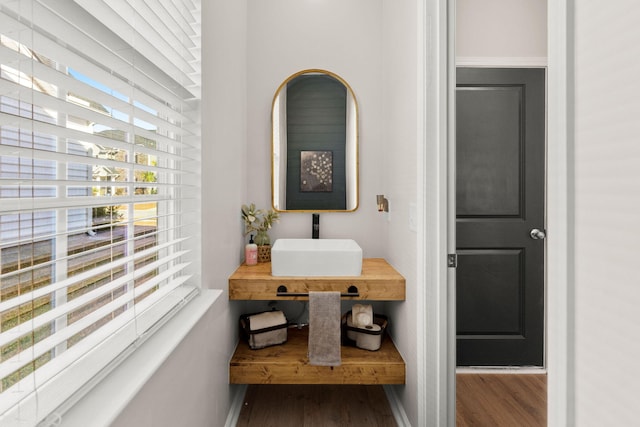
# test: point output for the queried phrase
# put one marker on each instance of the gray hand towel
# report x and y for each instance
(324, 328)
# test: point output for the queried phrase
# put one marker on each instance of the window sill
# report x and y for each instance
(107, 399)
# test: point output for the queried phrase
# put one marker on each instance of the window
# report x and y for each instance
(99, 187)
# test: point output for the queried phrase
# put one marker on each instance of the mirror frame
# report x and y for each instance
(279, 162)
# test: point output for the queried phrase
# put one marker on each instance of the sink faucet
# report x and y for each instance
(315, 231)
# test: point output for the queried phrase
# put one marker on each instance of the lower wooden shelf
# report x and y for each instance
(288, 364)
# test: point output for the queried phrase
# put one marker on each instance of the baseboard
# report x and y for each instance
(501, 370)
(396, 407)
(236, 405)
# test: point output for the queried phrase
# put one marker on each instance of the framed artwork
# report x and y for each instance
(316, 171)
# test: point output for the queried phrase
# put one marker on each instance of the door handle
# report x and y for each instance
(537, 234)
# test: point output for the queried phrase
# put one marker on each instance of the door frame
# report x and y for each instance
(560, 206)
(560, 212)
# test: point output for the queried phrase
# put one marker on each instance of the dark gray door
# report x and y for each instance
(500, 181)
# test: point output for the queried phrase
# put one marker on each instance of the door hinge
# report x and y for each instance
(452, 260)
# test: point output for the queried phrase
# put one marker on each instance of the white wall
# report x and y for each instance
(373, 45)
(399, 165)
(191, 387)
(607, 206)
(490, 30)
(607, 193)
(249, 48)
(286, 36)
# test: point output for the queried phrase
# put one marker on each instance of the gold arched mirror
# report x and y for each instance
(314, 124)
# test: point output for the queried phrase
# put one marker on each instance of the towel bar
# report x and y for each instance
(352, 291)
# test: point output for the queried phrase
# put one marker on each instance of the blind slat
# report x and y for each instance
(99, 63)
(173, 18)
(89, 115)
(87, 91)
(76, 136)
(47, 236)
(124, 323)
(28, 153)
(92, 26)
(49, 316)
(59, 202)
(63, 284)
(14, 363)
(120, 16)
(147, 27)
(76, 183)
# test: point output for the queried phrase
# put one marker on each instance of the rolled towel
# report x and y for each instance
(362, 315)
(266, 320)
(269, 319)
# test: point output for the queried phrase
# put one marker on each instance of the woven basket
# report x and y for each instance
(264, 253)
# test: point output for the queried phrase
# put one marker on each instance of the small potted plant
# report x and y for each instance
(259, 221)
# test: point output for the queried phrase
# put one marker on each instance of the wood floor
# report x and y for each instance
(483, 400)
(496, 400)
(315, 406)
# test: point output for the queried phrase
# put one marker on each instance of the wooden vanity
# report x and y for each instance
(288, 363)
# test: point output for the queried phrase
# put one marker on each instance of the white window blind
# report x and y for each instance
(99, 187)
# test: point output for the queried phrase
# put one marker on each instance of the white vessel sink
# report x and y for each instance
(316, 257)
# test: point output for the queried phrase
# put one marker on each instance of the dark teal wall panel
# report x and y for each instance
(316, 121)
